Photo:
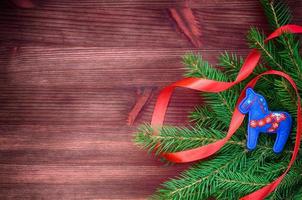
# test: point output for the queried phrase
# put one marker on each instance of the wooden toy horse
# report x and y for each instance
(261, 120)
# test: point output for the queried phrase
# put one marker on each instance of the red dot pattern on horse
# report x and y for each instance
(272, 118)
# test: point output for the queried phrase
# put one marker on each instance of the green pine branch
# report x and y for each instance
(205, 117)
(174, 139)
(277, 13)
(297, 195)
(234, 172)
(231, 64)
(199, 182)
(196, 66)
(268, 49)
(223, 103)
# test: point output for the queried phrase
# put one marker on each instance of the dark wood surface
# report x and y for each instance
(70, 73)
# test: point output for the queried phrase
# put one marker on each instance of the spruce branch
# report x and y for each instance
(248, 183)
(222, 178)
(231, 64)
(198, 182)
(173, 139)
(287, 96)
(290, 55)
(196, 66)
(222, 103)
(298, 194)
(285, 189)
(234, 172)
(277, 13)
(205, 117)
(268, 49)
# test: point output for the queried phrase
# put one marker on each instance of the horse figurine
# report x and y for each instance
(261, 120)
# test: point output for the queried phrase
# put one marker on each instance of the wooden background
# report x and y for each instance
(71, 72)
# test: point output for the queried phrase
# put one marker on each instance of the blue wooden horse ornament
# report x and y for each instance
(261, 120)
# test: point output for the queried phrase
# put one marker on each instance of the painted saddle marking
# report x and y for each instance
(261, 120)
(273, 119)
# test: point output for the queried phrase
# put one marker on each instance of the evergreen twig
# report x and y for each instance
(234, 171)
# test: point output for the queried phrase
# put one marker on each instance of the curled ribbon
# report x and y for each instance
(206, 85)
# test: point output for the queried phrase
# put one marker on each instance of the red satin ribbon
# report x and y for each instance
(206, 85)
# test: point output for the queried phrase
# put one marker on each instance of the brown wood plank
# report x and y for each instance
(82, 182)
(40, 149)
(92, 67)
(34, 174)
(87, 4)
(51, 126)
(130, 26)
(81, 191)
(70, 145)
(117, 27)
(105, 107)
(57, 4)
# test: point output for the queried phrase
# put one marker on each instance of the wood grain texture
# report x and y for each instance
(69, 76)
(123, 26)
(23, 3)
(93, 67)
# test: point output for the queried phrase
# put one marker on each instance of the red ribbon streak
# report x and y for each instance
(206, 85)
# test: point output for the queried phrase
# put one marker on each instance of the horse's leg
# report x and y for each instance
(252, 138)
(281, 139)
